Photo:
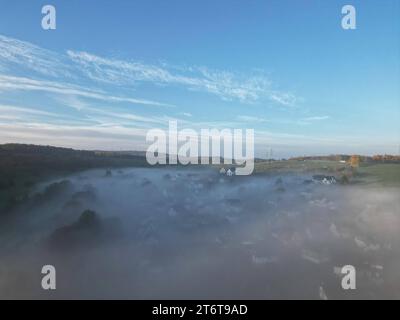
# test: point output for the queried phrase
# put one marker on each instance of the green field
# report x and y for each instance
(298, 166)
(384, 174)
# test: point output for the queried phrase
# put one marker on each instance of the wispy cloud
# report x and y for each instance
(284, 98)
(129, 118)
(250, 119)
(14, 52)
(22, 110)
(315, 118)
(22, 83)
(224, 84)
(311, 120)
(29, 114)
(76, 65)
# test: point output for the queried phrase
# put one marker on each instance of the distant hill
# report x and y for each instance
(22, 166)
(387, 158)
(22, 156)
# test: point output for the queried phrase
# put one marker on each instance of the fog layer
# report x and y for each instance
(193, 233)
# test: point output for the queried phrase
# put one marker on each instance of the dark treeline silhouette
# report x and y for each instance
(32, 158)
(22, 166)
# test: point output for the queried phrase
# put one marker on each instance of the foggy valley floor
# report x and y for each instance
(149, 233)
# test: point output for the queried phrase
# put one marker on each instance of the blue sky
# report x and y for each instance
(114, 69)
